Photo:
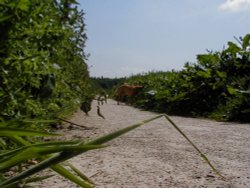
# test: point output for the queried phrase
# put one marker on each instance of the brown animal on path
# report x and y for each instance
(126, 90)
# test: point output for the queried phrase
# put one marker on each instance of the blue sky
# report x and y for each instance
(126, 37)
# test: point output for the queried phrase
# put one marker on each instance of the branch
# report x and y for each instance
(82, 126)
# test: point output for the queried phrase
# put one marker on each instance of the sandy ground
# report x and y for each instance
(156, 155)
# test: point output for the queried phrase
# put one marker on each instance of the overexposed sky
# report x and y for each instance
(126, 37)
(235, 5)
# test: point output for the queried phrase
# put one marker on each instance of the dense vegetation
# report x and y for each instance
(43, 66)
(217, 86)
(43, 76)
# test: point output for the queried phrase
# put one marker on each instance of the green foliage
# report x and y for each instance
(42, 59)
(216, 86)
(43, 76)
(23, 150)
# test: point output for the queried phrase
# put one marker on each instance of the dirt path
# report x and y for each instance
(156, 155)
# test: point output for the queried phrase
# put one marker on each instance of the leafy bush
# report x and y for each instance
(43, 76)
(43, 65)
(216, 86)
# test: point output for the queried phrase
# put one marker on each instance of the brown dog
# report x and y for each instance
(127, 91)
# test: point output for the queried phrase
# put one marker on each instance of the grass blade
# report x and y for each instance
(195, 147)
(6, 132)
(36, 152)
(35, 179)
(80, 174)
(63, 156)
(120, 132)
(65, 173)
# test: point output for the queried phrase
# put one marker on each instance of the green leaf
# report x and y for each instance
(111, 136)
(80, 174)
(246, 40)
(221, 74)
(36, 152)
(65, 173)
(207, 60)
(58, 168)
(29, 180)
(47, 144)
(4, 18)
(231, 90)
(23, 5)
(233, 48)
(36, 179)
(204, 74)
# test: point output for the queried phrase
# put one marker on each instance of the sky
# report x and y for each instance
(126, 37)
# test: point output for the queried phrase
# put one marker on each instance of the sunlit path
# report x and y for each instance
(156, 155)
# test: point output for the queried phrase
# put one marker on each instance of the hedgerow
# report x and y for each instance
(216, 86)
(42, 57)
(43, 77)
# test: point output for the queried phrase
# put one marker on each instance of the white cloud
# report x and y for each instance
(235, 5)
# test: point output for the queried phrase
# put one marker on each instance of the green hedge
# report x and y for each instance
(43, 69)
(217, 86)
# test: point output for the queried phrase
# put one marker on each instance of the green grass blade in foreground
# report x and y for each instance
(9, 153)
(123, 131)
(30, 180)
(195, 147)
(2, 144)
(7, 132)
(80, 174)
(67, 155)
(53, 144)
(120, 132)
(58, 168)
(36, 152)
(65, 173)
(63, 156)
(40, 178)
(52, 161)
